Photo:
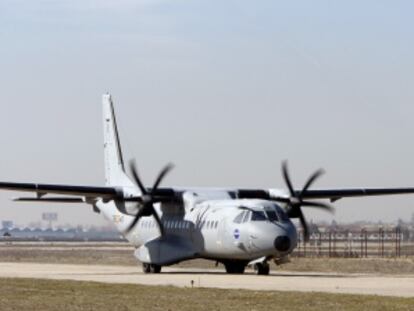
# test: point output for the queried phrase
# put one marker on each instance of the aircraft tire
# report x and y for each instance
(151, 268)
(155, 269)
(146, 268)
(262, 268)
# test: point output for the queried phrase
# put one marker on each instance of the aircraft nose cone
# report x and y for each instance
(282, 243)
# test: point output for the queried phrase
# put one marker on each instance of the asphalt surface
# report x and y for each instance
(402, 286)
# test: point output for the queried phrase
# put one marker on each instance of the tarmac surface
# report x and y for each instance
(402, 286)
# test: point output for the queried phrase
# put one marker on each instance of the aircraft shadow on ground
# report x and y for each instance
(251, 273)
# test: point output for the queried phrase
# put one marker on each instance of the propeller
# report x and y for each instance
(296, 200)
(148, 198)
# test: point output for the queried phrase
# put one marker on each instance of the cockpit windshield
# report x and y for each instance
(283, 217)
(258, 216)
(276, 214)
(272, 215)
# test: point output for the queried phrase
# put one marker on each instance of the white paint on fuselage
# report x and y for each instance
(208, 227)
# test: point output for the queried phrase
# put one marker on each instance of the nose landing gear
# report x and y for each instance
(262, 268)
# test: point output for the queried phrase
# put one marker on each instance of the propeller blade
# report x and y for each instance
(320, 205)
(304, 225)
(158, 220)
(285, 172)
(147, 199)
(311, 180)
(133, 168)
(140, 213)
(161, 176)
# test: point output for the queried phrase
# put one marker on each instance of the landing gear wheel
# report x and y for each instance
(262, 268)
(235, 267)
(150, 268)
(155, 269)
(146, 268)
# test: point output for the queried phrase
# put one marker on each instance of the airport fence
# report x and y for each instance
(382, 243)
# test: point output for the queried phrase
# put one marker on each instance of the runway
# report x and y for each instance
(402, 286)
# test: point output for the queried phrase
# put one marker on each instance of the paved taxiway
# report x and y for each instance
(402, 286)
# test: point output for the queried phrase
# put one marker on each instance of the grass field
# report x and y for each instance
(123, 255)
(24, 294)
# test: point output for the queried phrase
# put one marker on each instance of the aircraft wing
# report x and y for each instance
(330, 194)
(171, 194)
(337, 194)
(43, 189)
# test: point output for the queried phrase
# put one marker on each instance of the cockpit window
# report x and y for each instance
(282, 214)
(246, 217)
(258, 216)
(239, 218)
(272, 215)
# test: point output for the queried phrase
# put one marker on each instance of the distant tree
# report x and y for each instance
(400, 223)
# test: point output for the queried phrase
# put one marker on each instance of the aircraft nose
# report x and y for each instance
(282, 243)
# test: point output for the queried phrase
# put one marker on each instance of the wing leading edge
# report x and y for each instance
(81, 191)
(337, 194)
(112, 193)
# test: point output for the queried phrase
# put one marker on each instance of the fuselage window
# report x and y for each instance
(258, 216)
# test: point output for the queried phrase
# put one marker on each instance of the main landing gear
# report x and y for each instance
(150, 268)
(235, 267)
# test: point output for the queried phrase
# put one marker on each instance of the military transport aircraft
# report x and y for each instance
(236, 227)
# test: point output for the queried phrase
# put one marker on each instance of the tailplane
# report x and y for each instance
(114, 163)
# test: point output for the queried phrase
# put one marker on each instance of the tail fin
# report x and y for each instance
(114, 162)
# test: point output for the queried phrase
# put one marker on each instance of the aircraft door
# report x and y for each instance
(223, 234)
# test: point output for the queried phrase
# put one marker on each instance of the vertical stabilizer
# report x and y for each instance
(114, 162)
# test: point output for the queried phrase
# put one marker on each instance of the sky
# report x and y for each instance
(226, 90)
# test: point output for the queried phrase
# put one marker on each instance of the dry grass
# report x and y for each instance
(22, 294)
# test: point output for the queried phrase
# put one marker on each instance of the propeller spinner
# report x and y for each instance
(148, 199)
